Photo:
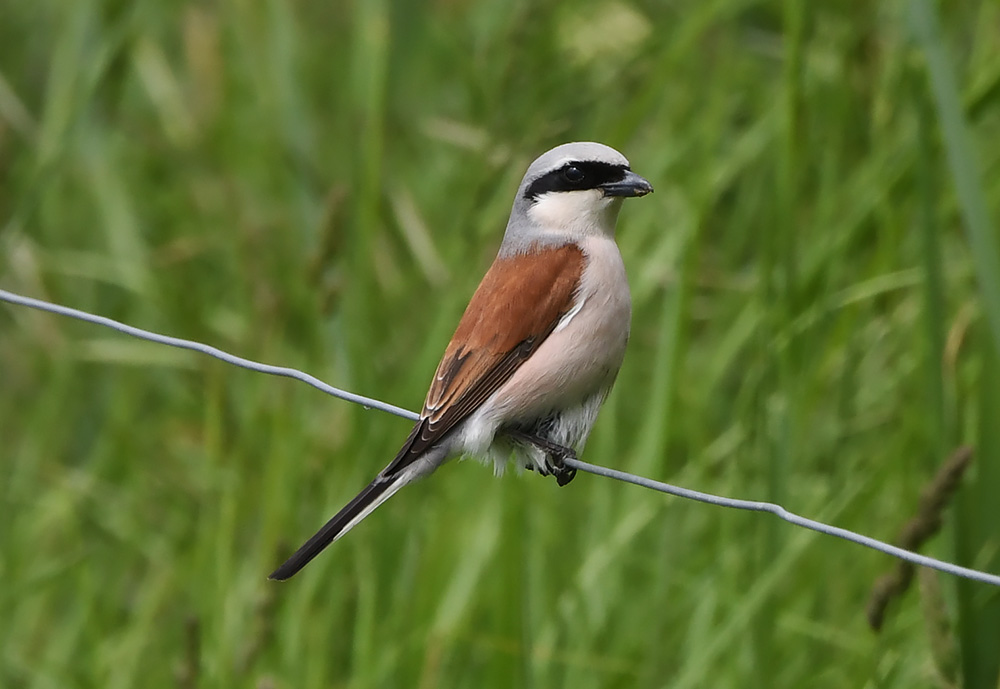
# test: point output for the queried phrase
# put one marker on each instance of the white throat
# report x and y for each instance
(584, 213)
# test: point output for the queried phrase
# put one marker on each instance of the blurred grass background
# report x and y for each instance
(321, 185)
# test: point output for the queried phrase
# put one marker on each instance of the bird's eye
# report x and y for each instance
(573, 174)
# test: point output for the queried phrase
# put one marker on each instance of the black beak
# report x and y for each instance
(630, 185)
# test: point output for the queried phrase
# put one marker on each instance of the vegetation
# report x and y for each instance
(321, 185)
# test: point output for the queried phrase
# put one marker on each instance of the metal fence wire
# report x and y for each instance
(369, 403)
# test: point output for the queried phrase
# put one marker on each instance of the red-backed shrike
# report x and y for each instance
(539, 345)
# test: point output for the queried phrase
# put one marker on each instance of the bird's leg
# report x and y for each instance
(555, 454)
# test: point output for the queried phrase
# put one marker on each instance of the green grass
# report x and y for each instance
(322, 185)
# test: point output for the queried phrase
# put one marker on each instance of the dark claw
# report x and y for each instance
(558, 468)
(565, 475)
(555, 455)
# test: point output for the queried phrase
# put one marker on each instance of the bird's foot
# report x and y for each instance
(555, 457)
(557, 465)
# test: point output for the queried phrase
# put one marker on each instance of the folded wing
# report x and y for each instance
(517, 305)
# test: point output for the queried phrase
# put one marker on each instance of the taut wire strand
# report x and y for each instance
(367, 402)
(791, 518)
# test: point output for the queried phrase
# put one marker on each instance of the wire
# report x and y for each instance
(369, 403)
(365, 402)
(791, 518)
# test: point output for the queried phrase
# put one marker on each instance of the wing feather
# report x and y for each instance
(517, 305)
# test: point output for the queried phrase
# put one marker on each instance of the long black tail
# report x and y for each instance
(377, 492)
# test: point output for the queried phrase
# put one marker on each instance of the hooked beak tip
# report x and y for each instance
(631, 186)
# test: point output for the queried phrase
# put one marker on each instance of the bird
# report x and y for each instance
(539, 345)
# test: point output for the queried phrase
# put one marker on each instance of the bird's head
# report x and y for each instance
(575, 189)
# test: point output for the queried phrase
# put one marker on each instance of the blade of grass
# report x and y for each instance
(961, 161)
